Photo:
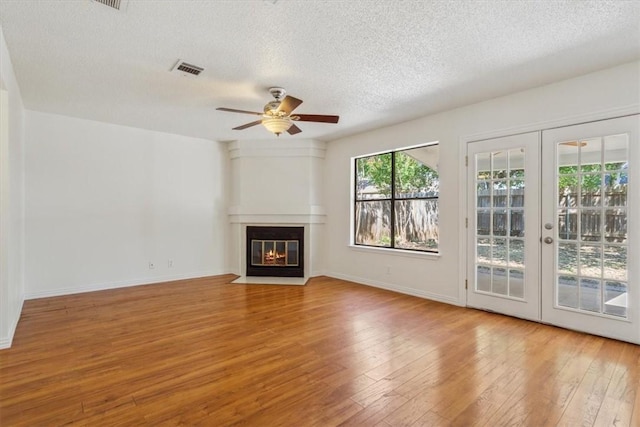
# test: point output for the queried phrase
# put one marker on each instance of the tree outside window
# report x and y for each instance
(396, 199)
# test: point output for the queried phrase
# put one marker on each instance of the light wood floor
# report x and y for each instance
(206, 352)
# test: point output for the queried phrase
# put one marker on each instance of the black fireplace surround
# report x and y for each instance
(275, 251)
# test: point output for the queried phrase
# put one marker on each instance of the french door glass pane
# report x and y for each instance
(567, 157)
(516, 253)
(591, 251)
(567, 291)
(590, 294)
(567, 258)
(499, 222)
(500, 283)
(483, 250)
(483, 166)
(499, 251)
(615, 262)
(615, 296)
(500, 202)
(616, 225)
(516, 283)
(483, 278)
(499, 164)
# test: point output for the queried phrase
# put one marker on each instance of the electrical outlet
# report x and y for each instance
(170, 263)
(388, 270)
(151, 265)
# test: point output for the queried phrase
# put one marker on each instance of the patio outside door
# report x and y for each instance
(554, 224)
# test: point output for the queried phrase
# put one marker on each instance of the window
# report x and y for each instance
(396, 199)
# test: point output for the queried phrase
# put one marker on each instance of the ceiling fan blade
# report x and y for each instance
(294, 129)
(233, 110)
(289, 103)
(317, 118)
(248, 125)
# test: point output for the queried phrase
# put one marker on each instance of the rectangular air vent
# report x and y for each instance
(115, 4)
(187, 69)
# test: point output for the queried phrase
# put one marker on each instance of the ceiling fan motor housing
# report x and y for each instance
(272, 107)
(277, 92)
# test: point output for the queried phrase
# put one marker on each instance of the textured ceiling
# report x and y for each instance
(373, 63)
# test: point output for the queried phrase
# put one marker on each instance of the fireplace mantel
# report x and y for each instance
(293, 215)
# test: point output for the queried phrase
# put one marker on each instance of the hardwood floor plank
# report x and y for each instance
(431, 419)
(208, 352)
(589, 396)
(522, 375)
(618, 404)
(377, 410)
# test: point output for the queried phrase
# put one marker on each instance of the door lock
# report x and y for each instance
(548, 240)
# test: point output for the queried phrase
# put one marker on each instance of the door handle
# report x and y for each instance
(548, 240)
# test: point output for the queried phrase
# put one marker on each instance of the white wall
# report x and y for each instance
(103, 201)
(11, 198)
(598, 95)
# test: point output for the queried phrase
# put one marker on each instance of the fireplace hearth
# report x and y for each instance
(275, 251)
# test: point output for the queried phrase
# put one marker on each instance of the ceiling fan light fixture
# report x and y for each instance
(277, 117)
(277, 125)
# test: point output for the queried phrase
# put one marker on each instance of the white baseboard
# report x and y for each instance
(120, 284)
(400, 289)
(5, 342)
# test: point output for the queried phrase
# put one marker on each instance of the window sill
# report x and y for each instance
(395, 252)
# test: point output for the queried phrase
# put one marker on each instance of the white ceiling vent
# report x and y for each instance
(115, 4)
(186, 69)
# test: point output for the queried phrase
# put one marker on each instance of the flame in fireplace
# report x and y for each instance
(272, 257)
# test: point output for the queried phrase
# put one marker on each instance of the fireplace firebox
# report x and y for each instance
(275, 251)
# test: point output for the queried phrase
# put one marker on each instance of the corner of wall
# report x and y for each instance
(12, 143)
(7, 341)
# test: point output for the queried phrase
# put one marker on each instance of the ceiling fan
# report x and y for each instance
(277, 117)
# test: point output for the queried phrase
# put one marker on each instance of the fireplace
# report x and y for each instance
(275, 251)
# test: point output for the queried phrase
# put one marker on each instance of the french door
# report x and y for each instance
(553, 226)
(503, 240)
